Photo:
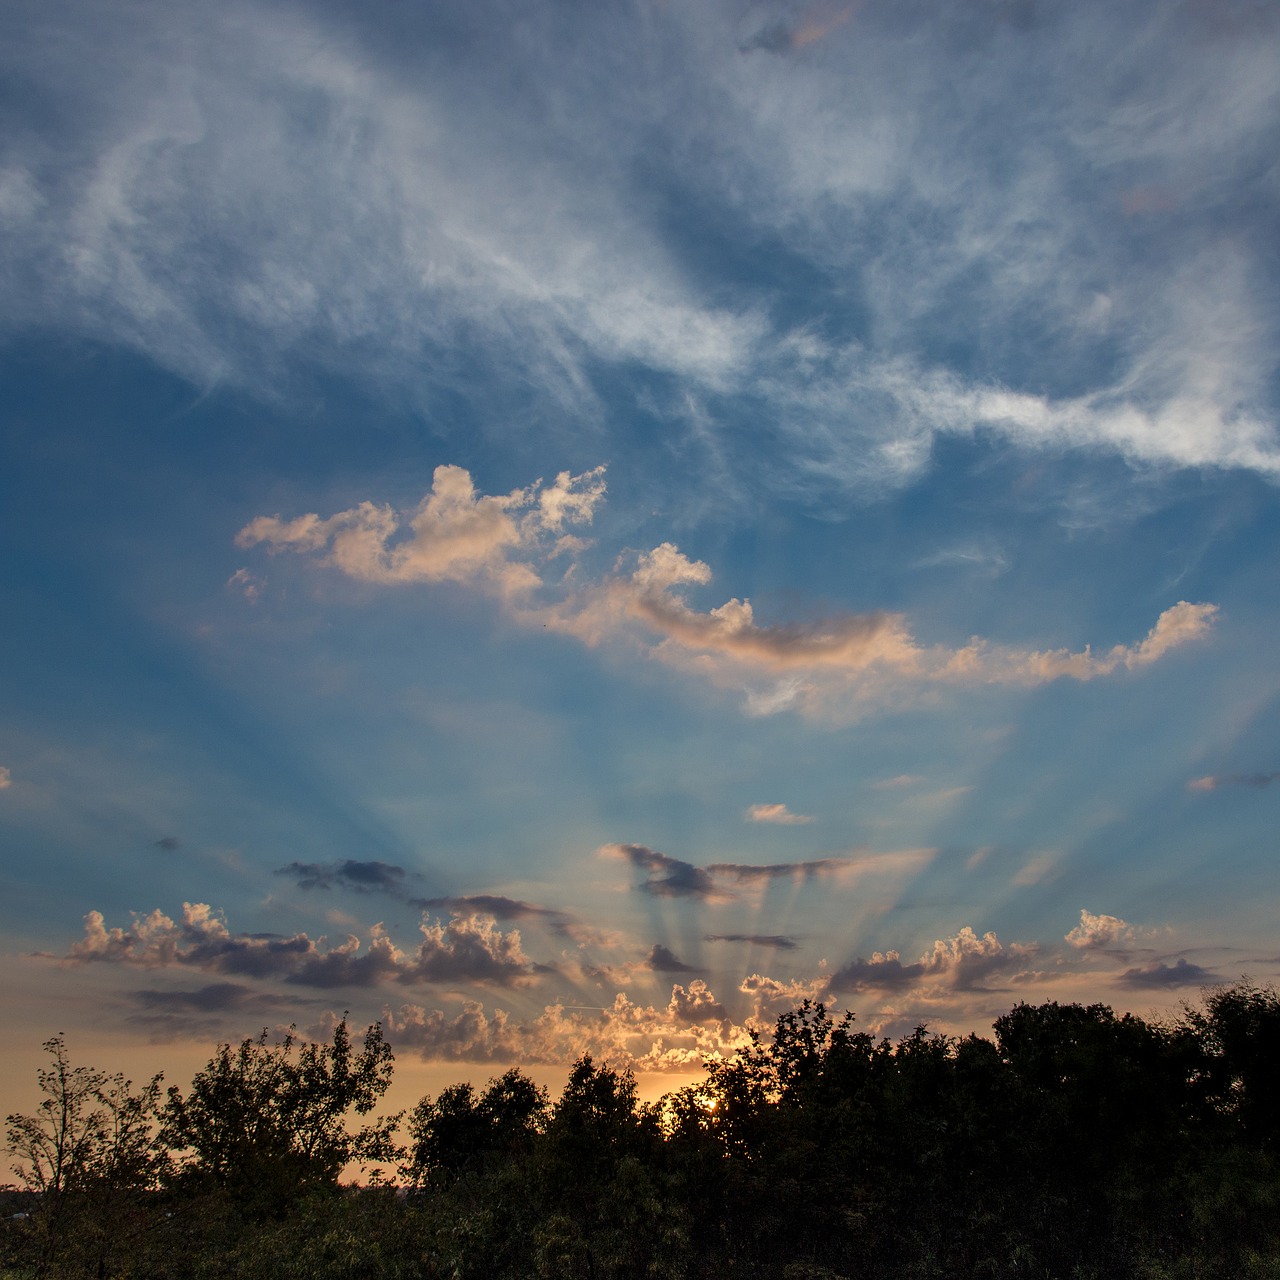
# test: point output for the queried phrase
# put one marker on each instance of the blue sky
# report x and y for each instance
(577, 526)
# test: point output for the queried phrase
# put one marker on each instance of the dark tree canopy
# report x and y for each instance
(1076, 1143)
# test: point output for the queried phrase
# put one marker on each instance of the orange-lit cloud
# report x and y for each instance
(836, 667)
(961, 961)
(691, 1028)
(454, 534)
(776, 813)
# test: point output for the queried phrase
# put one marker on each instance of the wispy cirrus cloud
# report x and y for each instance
(1213, 782)
(542, 247)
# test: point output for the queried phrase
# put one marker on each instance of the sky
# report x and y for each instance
(575, 527)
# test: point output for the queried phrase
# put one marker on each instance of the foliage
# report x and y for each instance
(268, 1122)
(85, 1156)
(1075, 1143)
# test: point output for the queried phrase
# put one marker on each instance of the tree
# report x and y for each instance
(88, 1152)
(459, 1129)
(266, 1124)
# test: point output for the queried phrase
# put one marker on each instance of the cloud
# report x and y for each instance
(776, 940)
(169, 844)
(491, 904)
(250, 585)
(778, 813)
(217, 997)
(1096, 931)
(1179, 974)
(1034, 870)
(960, 962)
(469, 948)
(6, 778)
(899, 780)
(218, 222)
(772, 996)
(363, 877)
(669, 877)
(690, 1029)
(834, 667)
(815, 22)
(662, 960)
(1211, 782)
(454, 535)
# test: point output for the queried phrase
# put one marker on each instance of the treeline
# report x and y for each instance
(1076, 1143)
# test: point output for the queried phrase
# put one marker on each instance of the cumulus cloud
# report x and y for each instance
(960, 962)
(773, 996)
(670, 877)
(454, 535)
(690, 1029)
(1096, 931)
(1211, 782)
(778, 813)
(468, 948)
(835, 666)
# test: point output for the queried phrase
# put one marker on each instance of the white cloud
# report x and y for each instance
(249, 187)
(1096, 931)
